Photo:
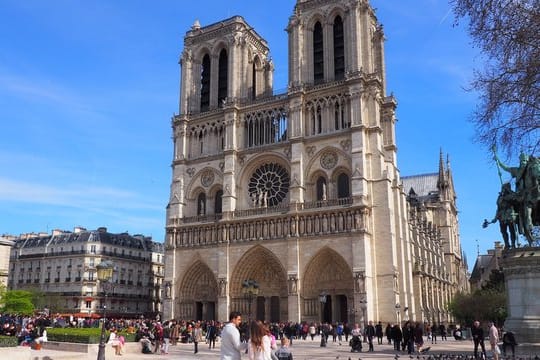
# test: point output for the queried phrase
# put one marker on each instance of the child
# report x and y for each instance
(283, 353)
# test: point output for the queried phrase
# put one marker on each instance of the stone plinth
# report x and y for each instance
(521, 269)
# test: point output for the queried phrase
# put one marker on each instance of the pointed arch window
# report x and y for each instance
(339, 49)
(218, 202)
(222, 77)
(254, 82)
(205, 83)
(201, 204)
(321, 189)
(318, 53)
(343, 184)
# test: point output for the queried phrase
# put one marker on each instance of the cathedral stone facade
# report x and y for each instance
(300, 191)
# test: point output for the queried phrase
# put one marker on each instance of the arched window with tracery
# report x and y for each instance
(339, 49)
(318, 53)
(254, 81)
(321, 189)
(343, 185)
(201, 204)
(218, 202)
(222, 76)
(205, 83)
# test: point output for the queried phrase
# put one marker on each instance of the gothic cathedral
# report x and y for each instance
(290, 206)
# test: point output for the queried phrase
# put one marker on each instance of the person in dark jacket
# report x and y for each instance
(284, 353)
(509, 340)
(388, 333)
(397, 336)
(478, 337)
(370, 334)
(379, 333)
(211, 334)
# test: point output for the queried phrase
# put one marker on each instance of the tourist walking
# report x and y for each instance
(442, 331)
(166, 337)
(284, 353)
(197, 337)
(370, 334)
(493, 340)
(231, 347)
(478, 338)
(259, 347)
(397, 336)
(388, 333)
(211, 334)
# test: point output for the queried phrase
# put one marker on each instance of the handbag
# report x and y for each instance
(497, 349)
(273, 355)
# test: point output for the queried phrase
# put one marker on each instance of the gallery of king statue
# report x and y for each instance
(518, 210)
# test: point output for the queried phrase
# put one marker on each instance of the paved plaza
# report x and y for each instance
(301, 349)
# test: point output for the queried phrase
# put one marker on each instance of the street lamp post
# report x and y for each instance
(250, 288)
(322, 300)
(104, 275)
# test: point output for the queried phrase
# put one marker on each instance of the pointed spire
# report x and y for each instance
(441, 166)
(441, 182)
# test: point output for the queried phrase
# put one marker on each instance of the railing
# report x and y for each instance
(282, 208)
(326, 203)
(202, 218)
(261, 211)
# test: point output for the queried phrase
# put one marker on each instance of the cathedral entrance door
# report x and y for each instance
(210, 311)
(260, 308)
(274, 309)
(327, 310)
(341, 308)
(198, 310)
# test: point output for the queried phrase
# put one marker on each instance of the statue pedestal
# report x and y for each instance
(521, 268)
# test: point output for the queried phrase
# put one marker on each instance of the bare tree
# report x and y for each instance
(508, 34)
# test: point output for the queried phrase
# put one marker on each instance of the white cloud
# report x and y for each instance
(84, 197)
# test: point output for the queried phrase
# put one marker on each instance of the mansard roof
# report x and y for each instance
(483, 263)
(100, 235)
(421, 186)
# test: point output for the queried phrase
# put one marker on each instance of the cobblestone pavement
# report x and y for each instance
(301, 349)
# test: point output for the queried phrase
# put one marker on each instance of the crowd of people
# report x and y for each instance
(156, 337)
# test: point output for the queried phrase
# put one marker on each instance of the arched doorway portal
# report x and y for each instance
(327, 287)
(198, 293)
(261, 265)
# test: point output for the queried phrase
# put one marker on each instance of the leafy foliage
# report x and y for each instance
(508, 34)
(17, 302)
(82, 335)
(8, 341)
(487, 303)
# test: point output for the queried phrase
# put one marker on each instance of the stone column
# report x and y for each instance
(521, 268)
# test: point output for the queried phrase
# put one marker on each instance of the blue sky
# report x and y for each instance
(87, 90)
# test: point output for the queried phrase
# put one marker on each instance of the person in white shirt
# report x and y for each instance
(259, 342)
(493, 340)
(231, 346)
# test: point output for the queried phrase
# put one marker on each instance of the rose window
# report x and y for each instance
(268, 185)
